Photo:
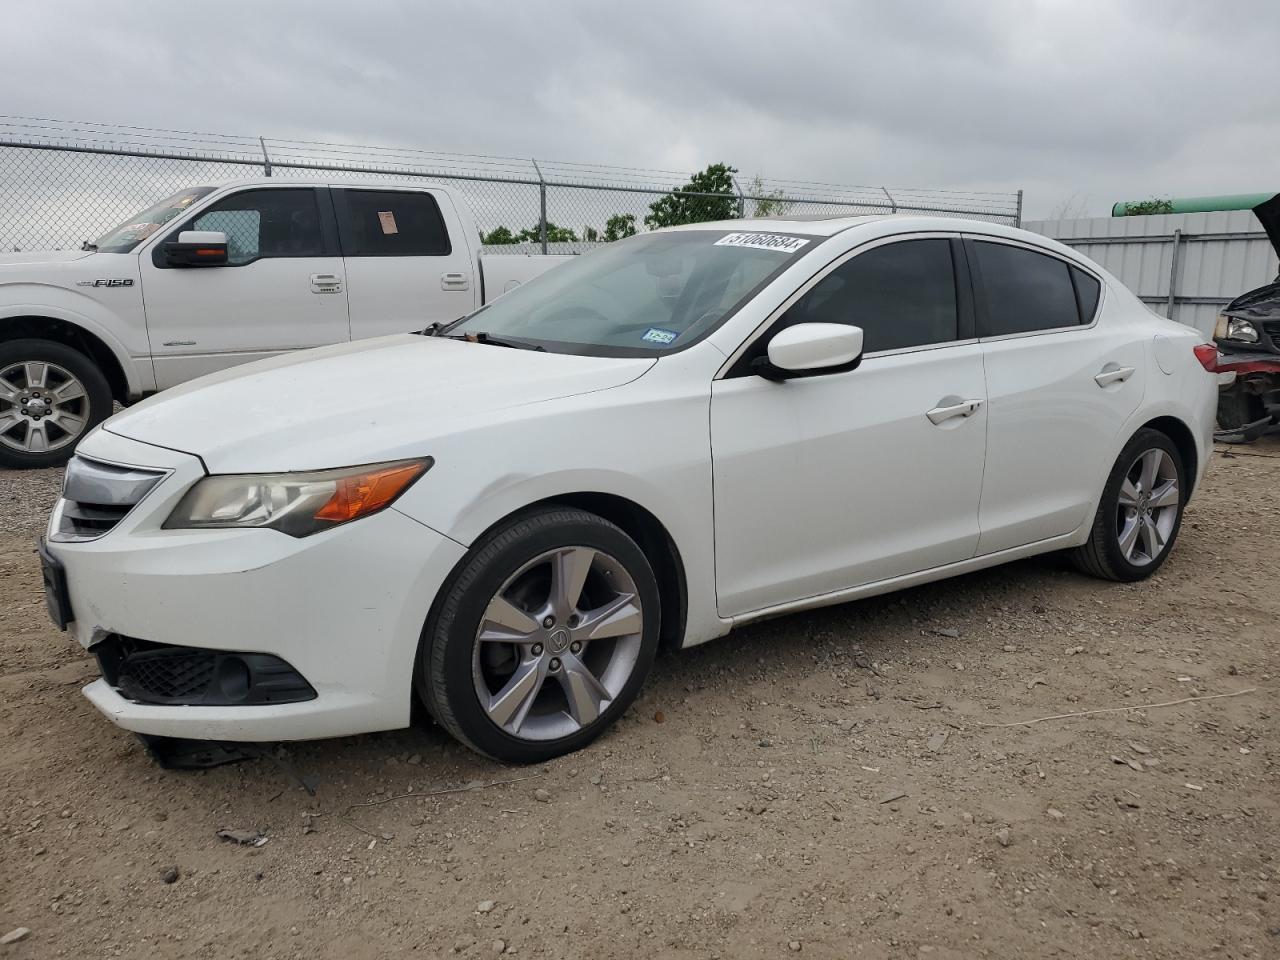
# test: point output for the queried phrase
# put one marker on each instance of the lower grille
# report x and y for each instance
(96, 496)
(1271, 328)
(170, 675)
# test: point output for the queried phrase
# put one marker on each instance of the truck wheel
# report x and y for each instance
(51, 395)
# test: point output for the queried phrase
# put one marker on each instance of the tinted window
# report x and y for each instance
(1088, 290)
(1024, 291)
(901, 295)
(393, 224)
(265, 223)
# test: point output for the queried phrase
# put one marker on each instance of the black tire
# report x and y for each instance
(444, 678)
(1101, 556)
(95, 407)
(1238, 408)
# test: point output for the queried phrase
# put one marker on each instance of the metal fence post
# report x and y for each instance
(742, 200)
(893, 204)
(542, 196)
(1017, 216)
(266, 158)
(1173, 273)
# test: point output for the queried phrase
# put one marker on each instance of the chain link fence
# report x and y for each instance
(65, 182)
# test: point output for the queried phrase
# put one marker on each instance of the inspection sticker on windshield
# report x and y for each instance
(762, 241)
(658, 335)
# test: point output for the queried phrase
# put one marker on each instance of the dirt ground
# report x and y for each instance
(833, 784)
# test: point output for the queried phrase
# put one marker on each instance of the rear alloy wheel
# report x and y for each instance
(50, 397)
(1140, 513)
(543, 638)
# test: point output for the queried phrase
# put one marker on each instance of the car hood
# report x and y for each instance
(1260, 304)
(42, 256)
(357, 402)
(1268, 214)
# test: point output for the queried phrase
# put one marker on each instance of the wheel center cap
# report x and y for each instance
(558, 640)
(37, 406)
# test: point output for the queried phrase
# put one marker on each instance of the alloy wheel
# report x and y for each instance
(1147, 511)
(43, 406)
(557, 643)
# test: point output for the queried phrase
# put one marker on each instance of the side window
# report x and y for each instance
(1024, 291)
(266, 223)
(901, 294)
(393, 223)
(1088, 291)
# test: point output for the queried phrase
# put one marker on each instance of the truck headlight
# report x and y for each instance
(298, 504)
(1230, 328)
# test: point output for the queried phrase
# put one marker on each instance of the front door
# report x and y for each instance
(829, 482)
(282, 288)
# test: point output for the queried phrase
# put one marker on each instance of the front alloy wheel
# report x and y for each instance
(542, 638)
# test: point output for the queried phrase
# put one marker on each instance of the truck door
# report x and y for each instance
(404, 269)
(282, 287)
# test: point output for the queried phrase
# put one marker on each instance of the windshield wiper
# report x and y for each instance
(91, 247)
(483, 337)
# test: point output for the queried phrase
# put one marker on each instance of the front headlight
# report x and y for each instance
(1230, 328)
(298, 504)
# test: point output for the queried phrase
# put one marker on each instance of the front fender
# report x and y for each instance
(124, 333)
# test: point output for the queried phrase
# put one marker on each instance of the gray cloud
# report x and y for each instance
(1091, 98)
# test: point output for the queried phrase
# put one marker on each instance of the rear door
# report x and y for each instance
(281, 288)
(404, 268)
(1061, 383)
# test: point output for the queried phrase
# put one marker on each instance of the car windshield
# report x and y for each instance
(142, 225)
(647, 294)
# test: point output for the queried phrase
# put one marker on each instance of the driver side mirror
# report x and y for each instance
(197, 248)
(809, 350)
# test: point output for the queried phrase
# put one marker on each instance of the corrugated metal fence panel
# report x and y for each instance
(1140, 252)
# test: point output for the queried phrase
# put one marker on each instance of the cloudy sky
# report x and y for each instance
(1079, 102)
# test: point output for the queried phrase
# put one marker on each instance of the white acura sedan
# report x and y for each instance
(650, 445)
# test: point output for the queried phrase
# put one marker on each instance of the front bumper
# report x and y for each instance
(344, 607)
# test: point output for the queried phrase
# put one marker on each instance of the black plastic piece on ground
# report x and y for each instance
(174, 753)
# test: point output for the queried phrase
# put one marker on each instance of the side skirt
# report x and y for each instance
(911, 579)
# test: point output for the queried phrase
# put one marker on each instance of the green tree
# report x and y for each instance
(555, 234)
(590, 234)
(618, 226)
(708, 195)
(498, 235)
(768, 203)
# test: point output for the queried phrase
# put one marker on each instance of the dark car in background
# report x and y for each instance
(1248, 339)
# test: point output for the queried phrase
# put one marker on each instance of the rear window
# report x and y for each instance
(392, 223)
(1088, 292)
(1024, 291)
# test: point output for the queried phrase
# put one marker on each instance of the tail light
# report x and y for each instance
(1207, 354)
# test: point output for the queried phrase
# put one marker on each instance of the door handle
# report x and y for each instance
(962, 408)
(1112, 374)
(453, 281)
(325, 283)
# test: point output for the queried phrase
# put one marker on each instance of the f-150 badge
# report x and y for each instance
(114, 282)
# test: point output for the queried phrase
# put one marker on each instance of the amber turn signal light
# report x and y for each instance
(365, 493)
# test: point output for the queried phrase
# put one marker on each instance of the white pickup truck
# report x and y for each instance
(218, 275)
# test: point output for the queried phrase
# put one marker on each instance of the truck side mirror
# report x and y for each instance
(197, 248)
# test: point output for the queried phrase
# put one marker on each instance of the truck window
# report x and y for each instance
(391, 223)
(266, 223)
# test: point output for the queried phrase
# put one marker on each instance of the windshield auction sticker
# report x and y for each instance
(763, 241)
